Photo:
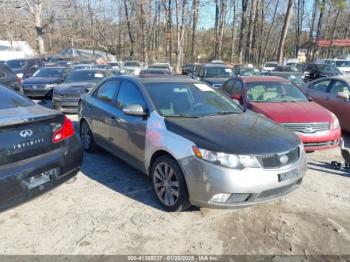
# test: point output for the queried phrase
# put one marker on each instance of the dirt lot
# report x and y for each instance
(109, 208)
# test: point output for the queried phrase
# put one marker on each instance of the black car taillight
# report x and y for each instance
(66, 131)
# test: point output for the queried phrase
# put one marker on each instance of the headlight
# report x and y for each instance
(50, 86)
(335, 124)
(227, 160)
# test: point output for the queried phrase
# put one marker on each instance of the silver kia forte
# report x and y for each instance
(197, 146)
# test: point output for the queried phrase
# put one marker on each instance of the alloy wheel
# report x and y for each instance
(166, 184)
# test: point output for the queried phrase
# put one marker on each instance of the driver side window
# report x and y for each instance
(321, 86)
(129, 94)
(339, 87)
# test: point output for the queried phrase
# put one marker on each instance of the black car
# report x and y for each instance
(38, 149)
(188, 69)
(154, 71)
(67, 95)
(316, 71)
(9, 78)
(25, 67)
(43, 81)
(213, 74)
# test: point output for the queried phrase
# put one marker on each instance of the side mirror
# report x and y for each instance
(236, 97)
(134, 110)
(344, 96)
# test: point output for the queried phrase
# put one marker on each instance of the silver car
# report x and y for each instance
(198, 147)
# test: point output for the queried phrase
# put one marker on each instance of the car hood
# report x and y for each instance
(74, 88)
(42, 80)
(245, 133)
(294, 112)
(214, 81)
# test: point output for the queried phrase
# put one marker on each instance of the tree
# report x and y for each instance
(241, 48)
(280, 50)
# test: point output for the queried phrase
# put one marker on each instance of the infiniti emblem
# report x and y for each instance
(284, 159)
(26, 133)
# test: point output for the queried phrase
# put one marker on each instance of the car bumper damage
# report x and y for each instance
(23, 180)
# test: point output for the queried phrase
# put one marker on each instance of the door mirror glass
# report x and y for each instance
(134, 110)
(344, 96)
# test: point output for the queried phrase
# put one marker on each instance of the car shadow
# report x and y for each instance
(328, 168)
(120, 177)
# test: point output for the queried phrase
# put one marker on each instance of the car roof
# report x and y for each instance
(168, 79)
(215, 65)
(254, 79)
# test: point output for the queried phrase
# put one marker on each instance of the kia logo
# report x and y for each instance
(26, 133)
(284, 159)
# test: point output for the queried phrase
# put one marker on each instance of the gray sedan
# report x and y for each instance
(198, 147)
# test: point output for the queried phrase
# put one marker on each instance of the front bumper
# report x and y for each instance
(247, 187)
(66, 105)
(320, 140)
(14, 177)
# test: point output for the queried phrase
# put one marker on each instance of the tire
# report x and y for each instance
(87, 138)
(169, 185)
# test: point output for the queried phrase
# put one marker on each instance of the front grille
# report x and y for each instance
(34, 86)
(307, 128)
(272, 161)
(321, 144)
(276, 192)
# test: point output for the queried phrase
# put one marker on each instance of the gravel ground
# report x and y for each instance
(109, 208)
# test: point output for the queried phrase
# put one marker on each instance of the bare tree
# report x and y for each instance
(280, 50)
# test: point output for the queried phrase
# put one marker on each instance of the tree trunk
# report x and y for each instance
(318, 32)
(195, 10)
(234, 30)
(282, 40)
(311, 33)
(131, 38)
(241, 48)
(329, 49)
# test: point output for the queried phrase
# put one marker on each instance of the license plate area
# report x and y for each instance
(288, 175)
(38, 181)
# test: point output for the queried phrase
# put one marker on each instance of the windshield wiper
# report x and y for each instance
(184, 116)
(223, 113)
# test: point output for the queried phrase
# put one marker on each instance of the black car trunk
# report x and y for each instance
(27, 136)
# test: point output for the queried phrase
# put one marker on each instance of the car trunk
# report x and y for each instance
(25, 135)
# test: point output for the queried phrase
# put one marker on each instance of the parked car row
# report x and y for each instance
(222, 139)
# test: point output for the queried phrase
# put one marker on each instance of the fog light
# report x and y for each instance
(239, 197)
(220, 197)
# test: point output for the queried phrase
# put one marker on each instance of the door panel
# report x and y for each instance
(338, 106)
(318, 92)
(129, 132)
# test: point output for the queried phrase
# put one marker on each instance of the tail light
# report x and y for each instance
(66, 131)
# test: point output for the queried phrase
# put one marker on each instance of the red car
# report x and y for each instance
(281, 101)
(332, 93)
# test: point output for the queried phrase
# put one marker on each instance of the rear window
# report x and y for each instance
(10, 99)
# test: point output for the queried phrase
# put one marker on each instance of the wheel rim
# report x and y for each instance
(85, 135)
(166, 184)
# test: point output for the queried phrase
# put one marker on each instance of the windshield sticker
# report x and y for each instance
(204, 88)
(98, 75)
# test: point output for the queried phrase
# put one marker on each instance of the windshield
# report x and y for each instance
(137, 64)
(218, 72)
(342, 63)
(49, 72)
(274, 92)
(189, 100)
(271, 65)
(85, 76)
(10, 99)
(327, 68)
(16, 63)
